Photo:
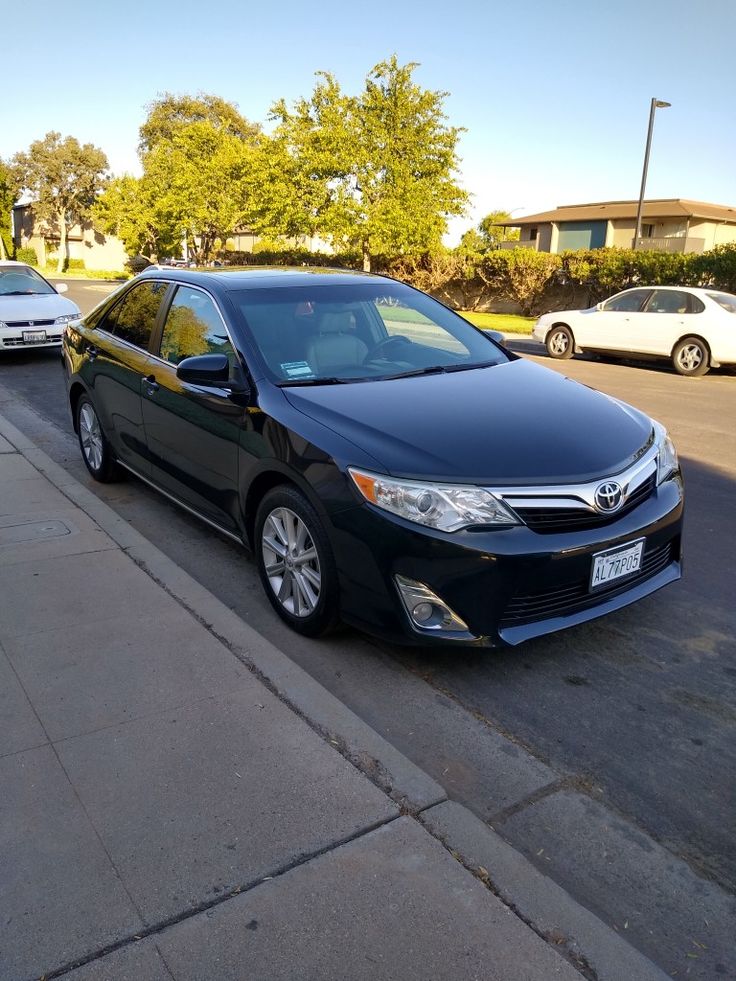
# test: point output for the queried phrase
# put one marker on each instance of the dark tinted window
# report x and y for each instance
(673, 301)
(133, 319)
(627, 302)
(193, 326)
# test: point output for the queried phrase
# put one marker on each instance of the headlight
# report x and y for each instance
(666, 453)
(447, 507)
(67, 317)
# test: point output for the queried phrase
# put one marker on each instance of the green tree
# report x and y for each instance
(9, 191)
(131, 209)
(492, 233)
(64, 178)
(171, 113)
(375, 172)
(196, 152)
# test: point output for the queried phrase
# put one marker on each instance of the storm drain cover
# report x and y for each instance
(33, 531)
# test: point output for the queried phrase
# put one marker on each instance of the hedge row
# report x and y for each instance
(533, 280)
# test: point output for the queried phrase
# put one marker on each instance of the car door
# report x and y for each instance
(116, 360)
(666, 317)
(614, 325)
(193, 431)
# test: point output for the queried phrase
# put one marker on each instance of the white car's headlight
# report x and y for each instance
(67, 318)
(447, 507)
(666, 453)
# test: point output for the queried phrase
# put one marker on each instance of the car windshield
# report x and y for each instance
(22, 281)
(310, 335)
(725, 300)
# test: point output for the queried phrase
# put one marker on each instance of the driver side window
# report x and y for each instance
(194, 326)
(630, 302)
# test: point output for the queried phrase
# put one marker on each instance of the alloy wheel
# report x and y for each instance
(291, 562)
(558, 342)
(690, 357)
(90, 436)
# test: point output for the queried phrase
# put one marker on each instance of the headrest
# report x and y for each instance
(337, 323)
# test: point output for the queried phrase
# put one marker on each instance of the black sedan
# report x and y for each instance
(388, 463)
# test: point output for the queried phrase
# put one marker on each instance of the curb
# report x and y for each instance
(594, 949)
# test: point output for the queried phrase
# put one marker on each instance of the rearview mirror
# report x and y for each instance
(61, 288)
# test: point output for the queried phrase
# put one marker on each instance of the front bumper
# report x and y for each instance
(508, 585)
(11, 339)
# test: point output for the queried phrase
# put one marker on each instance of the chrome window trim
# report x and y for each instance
(568, 497)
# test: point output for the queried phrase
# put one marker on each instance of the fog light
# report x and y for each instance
(427, 612)
(421, 612)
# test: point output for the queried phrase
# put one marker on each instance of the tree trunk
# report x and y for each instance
(62, 243)
(366, 257)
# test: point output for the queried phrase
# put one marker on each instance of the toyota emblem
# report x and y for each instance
(609, 496)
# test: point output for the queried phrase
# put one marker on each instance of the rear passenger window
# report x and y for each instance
(133, 319)
(671, 301)
(193, 326)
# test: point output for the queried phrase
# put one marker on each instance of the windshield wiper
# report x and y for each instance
(22, 293)
(469, 367)
(436, 369)
(289, 382)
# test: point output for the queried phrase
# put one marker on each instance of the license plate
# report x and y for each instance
(33, 336)
(616, 563)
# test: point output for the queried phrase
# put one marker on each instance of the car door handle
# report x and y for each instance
(92, 352)
(151, 384)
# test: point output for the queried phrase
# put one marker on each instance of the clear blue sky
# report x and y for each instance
(554, 94)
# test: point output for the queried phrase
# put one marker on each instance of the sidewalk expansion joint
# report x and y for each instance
(565, 946)
(154, 929)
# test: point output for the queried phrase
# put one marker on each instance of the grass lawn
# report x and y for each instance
(509, 323)
(50, 273)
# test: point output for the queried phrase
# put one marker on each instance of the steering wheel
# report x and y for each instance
(384, 345)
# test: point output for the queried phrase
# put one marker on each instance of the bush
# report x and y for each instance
(27, 255)
(137, 263)
(74, 264)
(520, 274)
(290, 257)
(716, 268)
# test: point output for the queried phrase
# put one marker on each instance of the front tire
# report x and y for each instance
(560, 343)
(96, 451)
(691, 357)
(295, 562)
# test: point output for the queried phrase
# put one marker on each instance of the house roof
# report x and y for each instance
(654, 208)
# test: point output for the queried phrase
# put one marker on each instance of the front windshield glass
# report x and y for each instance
(312, 334)
(22, 281)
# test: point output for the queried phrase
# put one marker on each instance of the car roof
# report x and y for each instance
(687, 289)
(254, 277)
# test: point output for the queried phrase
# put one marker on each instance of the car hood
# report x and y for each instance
(511, 423)
(45, 307)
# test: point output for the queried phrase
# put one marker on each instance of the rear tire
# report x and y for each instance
(295, 562)
(96, 451)
(560, 343)
(691, 357)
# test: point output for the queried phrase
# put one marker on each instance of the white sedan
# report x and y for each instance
(694, 328)
(32, 313)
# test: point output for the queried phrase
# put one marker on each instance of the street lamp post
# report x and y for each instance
(656, 104)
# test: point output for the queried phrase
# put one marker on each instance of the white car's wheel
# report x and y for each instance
(691, 357)
(559, 342)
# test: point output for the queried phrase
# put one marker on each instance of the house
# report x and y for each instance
(668, 225)
(84, 242)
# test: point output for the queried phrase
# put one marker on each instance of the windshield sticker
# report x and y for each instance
(297, 369)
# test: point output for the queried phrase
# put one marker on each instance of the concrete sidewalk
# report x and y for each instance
(179, 800)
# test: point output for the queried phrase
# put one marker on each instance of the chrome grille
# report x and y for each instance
(28, 324)
(551, 520)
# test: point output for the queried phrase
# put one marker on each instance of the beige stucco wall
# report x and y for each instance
(96, 250)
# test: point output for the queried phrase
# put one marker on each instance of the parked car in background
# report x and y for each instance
(387, 462)
(32, 312)
(694, 328)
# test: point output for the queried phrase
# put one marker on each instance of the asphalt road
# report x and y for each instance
(605, 753)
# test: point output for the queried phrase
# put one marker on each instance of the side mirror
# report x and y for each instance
(211, 370)
(494, 335)
(61, 288)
